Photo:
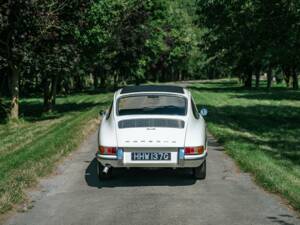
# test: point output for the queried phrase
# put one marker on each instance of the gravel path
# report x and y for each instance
(74, 196)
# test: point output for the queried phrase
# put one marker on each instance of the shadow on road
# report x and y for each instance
(139, 177)
(280, 219)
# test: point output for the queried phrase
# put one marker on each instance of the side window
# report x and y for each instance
(195, 111)
(109, 110)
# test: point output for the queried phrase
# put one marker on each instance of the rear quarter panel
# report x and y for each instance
(196, 129)
(107, 133)
(195, 133)
(107, 130)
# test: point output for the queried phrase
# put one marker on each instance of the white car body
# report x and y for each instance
(152, 139)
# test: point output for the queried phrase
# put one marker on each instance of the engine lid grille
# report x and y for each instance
(135, 123)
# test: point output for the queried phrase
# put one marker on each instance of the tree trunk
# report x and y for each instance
(14, 108)
(115, 81)
(95, 80)
(183, 76)
(248, 79)
(163, 76)
(248, 82)
(287, 75)
(66, 85)
(179, 75)
(172, 75)
(78, 83)
(295, 79)
(288, 81)
(257, 77)
(156, 76)
(102, 81)
(137, 81)
(53, 91)
(50, 89)
(269, 78)
(47, 87)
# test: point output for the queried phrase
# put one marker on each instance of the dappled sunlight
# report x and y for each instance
(260, 129)
(32, 145)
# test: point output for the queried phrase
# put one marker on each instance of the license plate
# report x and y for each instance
(158, 156)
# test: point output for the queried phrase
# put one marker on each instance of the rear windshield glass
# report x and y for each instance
(152, 104)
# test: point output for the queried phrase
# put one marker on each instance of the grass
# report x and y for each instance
(260, 129)
(30, 147)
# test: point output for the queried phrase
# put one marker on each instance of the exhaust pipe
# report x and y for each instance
(106, 169)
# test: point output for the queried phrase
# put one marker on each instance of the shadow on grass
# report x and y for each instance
(93, 91)
(215, 88)
(223, 83)
(277, 93)
(33, 111)
(273, 95)
(274, 128)
(136, 177)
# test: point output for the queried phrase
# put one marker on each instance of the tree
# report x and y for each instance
(252, 35)
(17, 31)
(137, 40)
(36, 36)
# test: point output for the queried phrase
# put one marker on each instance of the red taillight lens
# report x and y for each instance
(189, 150)
(107, 150)
(194, 150)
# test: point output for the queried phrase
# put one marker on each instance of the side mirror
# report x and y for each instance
(203, 112)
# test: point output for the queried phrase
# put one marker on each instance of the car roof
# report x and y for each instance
(152, 88)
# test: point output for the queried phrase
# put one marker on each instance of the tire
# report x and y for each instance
(101, 175)
(200, 171)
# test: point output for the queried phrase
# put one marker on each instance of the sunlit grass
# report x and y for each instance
(30, 147)
(260, 129)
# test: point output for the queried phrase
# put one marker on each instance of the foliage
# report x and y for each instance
(50, 47)
(137, 40)
(55, 46)
(251, 36)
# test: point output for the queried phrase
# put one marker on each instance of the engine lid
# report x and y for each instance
(151, 137)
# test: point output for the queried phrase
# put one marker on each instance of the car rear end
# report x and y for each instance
(150, 130)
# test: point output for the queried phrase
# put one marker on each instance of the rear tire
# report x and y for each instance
(200, 171)
(101, 175)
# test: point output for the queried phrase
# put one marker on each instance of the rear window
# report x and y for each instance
(152, 105)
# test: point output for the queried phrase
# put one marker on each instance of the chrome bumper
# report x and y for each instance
(188, 161)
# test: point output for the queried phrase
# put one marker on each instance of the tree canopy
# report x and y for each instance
(252, 36)
(50, 47)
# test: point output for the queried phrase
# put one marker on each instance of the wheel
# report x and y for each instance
(200, 171)
(101, 175)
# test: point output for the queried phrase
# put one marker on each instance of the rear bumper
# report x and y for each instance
(189, 161)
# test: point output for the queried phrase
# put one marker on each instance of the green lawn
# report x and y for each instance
(259, 129)
(30, 147)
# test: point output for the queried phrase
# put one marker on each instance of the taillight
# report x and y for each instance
(193, 150)
(107, 150)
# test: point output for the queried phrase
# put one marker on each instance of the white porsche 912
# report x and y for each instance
(152, 126)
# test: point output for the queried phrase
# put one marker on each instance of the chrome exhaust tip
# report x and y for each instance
(106, 169)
